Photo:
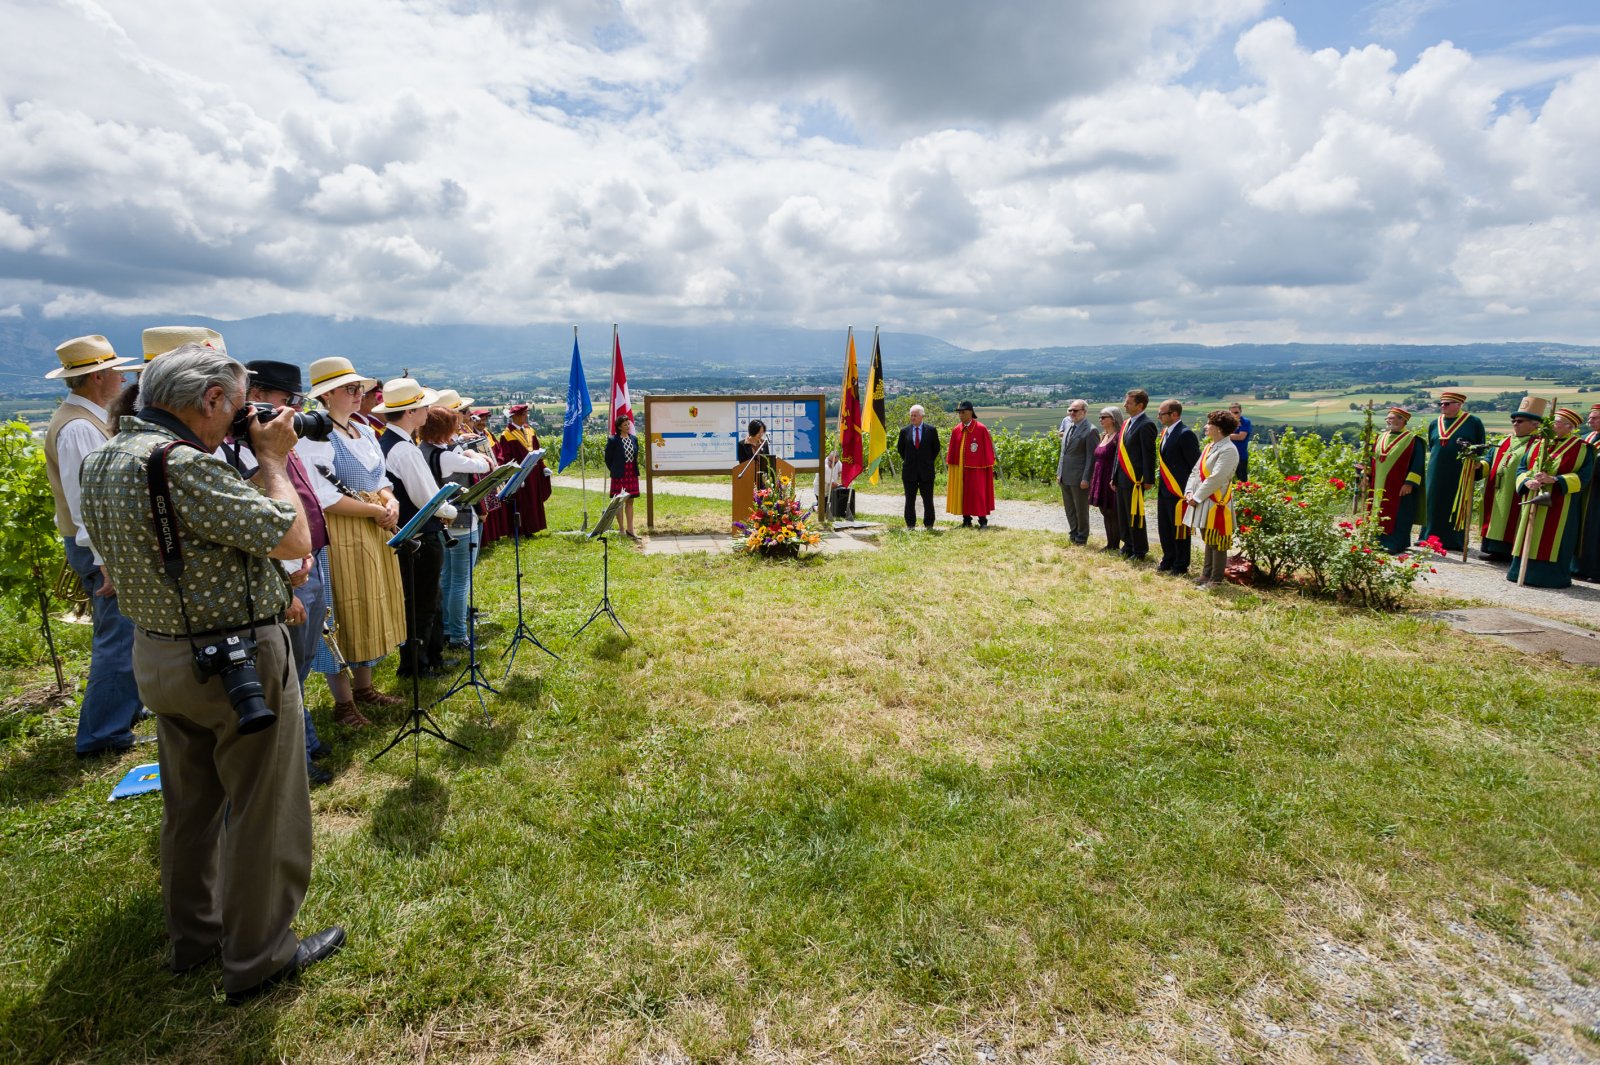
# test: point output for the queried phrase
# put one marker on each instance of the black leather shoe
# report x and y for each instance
(317, 776)
(311, 950)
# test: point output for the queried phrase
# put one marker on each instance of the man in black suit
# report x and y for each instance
(918, 447)
(1177, 450)
(1136, 471)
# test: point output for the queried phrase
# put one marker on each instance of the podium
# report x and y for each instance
(744, 482)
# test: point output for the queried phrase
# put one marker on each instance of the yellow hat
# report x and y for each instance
(160, 339)
(403, 394)
(334, 372)
(85, 355)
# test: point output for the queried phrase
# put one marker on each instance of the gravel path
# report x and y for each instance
(1483, 581)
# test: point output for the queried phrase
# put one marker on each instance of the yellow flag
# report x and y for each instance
(875, 432)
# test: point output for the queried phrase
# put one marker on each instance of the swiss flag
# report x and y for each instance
(620, 404)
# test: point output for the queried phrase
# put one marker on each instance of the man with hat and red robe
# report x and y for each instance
(1395, 472)
(516, 442)
(1552, 478)
(969, 460)
(1586, 567)
(1500, 505)
(1454, 441)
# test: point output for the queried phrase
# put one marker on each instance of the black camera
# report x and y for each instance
(308, 425)
(234, 661)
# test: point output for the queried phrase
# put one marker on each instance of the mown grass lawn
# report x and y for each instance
(969, 788)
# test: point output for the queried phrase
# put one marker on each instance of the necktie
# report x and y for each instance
(916, 436)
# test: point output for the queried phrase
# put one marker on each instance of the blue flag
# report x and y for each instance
(578, 410)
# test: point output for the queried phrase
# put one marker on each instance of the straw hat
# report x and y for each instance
(1532, 408)
(160, 339)
(334, 372)
(450, 399)
(403, 394)
(85, 355)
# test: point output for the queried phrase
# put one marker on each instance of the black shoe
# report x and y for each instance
(318, 776)
(321, 750)
(113, 749)
(966, 523)
(456, 645)
(1109, 547)
(1162, 567)
(311, 950)
(983, 523)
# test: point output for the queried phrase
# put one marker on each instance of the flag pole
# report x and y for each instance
(583, 460)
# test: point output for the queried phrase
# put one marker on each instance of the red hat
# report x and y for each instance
(479, 412)
(1405, 415)
(519, 408)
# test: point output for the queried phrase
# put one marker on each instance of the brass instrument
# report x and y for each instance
(69, 589)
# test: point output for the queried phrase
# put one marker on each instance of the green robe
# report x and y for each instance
(1452, 476)
(1587, 563)
(1553, 530)
(1499, 520)
(1397, 460)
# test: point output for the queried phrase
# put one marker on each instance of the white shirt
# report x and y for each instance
(315, 454)
(405, 461)
(454, 462)
(73, 444)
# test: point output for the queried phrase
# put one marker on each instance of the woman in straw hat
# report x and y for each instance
(368, 604)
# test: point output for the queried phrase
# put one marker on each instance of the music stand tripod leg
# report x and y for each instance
(472, 675)
(523, 632)
(604, 606)
(418, 720)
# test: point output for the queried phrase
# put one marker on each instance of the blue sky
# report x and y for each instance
(1021, 172)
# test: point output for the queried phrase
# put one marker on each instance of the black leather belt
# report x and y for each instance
(211, 634)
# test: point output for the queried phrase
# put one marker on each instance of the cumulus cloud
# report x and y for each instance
(1033, 173)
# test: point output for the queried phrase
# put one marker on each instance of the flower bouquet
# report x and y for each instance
(776, 528)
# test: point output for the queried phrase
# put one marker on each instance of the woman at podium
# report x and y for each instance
(755, 443)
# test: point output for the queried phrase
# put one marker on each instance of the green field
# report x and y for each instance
(966, 797)
(1307, 408)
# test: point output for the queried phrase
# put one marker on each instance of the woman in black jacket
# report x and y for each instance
(622, 463)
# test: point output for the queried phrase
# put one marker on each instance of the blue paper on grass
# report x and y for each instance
(141, 780)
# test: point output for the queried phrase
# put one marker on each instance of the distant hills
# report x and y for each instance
(542, 351)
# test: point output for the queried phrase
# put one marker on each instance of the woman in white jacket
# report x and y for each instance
(1208, 497)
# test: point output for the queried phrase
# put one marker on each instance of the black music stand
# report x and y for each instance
(508, 494)
(418, 720)
(603, 525)
(471, 675)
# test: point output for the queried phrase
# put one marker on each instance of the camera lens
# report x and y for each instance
(244, 689)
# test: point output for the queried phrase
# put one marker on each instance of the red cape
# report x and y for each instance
(972, 448)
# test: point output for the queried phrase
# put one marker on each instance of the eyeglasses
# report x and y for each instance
(351, 390)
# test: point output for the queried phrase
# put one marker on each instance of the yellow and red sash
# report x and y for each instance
(1136, 504)
(1171, 484)
(1218, 529)
(1446, 434)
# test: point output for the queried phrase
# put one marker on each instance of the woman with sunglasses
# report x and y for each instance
(368, 615)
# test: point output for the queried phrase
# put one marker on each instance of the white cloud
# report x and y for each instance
(1038, 173)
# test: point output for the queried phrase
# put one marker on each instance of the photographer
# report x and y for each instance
(236, 825)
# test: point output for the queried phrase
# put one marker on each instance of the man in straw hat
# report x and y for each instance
(405, 407)
(1454, 439)
(1396, 472)
(1586, 567)
(92, 372)
(1547, 532)
(236, 825)
(1500, 505)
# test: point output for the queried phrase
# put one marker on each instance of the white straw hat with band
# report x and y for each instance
(334, 372)
(451, 399)
(160, 339)
(403, 394)
(83, 355)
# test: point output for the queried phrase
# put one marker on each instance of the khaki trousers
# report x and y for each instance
(236, 824)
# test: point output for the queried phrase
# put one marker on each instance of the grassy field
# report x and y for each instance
(966, 797)
(1308, 408)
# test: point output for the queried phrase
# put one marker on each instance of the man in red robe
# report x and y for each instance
(970, 464)
(514, 445)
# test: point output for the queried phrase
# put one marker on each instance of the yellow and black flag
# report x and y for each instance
(873, 425)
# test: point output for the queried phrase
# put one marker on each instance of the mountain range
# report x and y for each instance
(543, 351)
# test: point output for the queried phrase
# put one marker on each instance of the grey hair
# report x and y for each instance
(916, 408)
(1118, 415)
(180, 379)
